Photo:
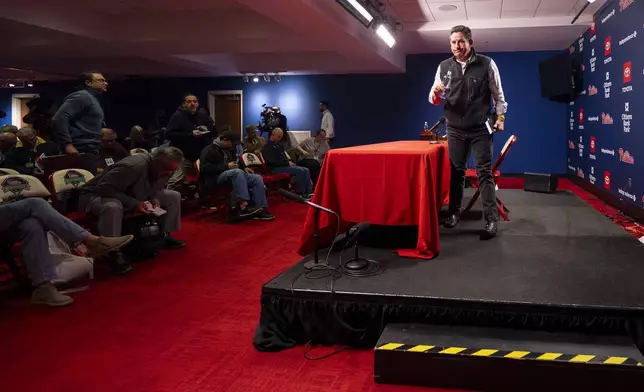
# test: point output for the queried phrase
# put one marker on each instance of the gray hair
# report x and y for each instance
(27, 132)
(167, 154)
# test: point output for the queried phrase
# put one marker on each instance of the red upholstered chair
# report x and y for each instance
(273, 178)
(470, 175)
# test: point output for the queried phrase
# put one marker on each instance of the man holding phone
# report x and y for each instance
(467, 83)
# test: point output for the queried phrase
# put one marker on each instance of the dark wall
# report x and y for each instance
(605, 142)
(367, 108)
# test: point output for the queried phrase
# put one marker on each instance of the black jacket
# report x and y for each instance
(468, 103)
(23, 160)
(213, 161)
(180, 128)
(275, 155)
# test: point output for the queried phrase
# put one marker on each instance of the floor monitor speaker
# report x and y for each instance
(538, 182)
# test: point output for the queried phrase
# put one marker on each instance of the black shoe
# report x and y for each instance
(264, 216)
(172, 243)
(452, 221)
(249, 212)
(117, 264)
(490, 230)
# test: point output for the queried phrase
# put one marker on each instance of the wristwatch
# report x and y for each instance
(501, 117)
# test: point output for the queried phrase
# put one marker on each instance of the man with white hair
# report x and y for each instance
(28, 148)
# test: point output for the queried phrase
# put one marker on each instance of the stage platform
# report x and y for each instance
(558, 265)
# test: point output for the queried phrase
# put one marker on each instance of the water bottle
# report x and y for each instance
(425, 127)
(447, 82)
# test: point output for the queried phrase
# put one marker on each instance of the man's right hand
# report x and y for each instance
(71, 150)
(232, 165)
(143, 208)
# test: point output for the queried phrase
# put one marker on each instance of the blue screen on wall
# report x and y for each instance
(605, 143)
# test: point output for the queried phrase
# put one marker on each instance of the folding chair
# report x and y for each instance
(471, 176)
(64, 185)
(5, 171)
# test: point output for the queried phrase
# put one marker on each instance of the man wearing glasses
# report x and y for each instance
(79, 120)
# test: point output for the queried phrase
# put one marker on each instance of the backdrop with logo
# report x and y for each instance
(605, 134)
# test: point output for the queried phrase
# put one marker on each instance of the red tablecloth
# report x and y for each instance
(391, 184)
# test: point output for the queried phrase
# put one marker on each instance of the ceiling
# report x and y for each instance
(43, 39)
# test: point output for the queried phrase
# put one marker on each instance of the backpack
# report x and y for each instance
(149, 238)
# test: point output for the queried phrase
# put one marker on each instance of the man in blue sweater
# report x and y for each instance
(79, 120)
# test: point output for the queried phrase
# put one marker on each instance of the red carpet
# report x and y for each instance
(183, 322)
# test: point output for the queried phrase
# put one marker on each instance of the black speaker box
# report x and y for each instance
(537, 182)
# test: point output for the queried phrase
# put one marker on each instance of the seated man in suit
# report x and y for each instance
(127, 186)
(28, 148)
(220, 165)
(279, 162)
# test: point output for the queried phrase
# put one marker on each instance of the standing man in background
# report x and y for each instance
(328, 122)
(190, 129)
(473, 81)
(79, 120)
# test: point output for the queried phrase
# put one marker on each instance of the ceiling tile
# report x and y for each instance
(413, 12)
(560, 5)
(446, 16)
(517, 14)
(520, 5)
(488, 9)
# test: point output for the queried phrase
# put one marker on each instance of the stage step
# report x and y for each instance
(499, 360)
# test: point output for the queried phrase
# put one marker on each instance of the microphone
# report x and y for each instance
(355, 231)
(438, 124)
(299, 199)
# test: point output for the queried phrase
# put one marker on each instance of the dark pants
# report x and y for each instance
(91, 158)
(459, 144)
(313, 166)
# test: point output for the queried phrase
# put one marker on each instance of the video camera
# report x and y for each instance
(271, 117)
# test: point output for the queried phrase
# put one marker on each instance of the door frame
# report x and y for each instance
(211, 105)
(16, 118)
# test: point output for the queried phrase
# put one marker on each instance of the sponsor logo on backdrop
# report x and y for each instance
(580, 173)
(592, 90)
(593, 30)
(611, 14)
(607, 85)
(581, 116)
(593, 58)
(571, 144)
(627, 117)
(571, 49)
(572, 168)
(593, 119)
(607, 50)
(626, 157)
(593, 148)
(581, 44)
(607, 179)
(626, 192)
(580, 145)
(572, 120)
(628, 38)
(607, 119)
(591, 176)
(627, 71)
(623, 4)
(607, 151)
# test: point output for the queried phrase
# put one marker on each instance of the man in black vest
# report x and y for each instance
(475, 81)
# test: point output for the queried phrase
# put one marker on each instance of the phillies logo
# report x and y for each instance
(593, 27)
(607, 46)
(627, 72)
(592, 144)
(607, 179)
(581, 116)
(623, 4)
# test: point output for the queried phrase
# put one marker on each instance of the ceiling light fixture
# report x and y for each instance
(30, 84)
(277, 77)
(386, 35)
(267, 78)
(358, 8)
(582, 10)
(447, 8)
(245, 78)
(256, 79)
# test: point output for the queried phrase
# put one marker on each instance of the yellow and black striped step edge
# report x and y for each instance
(520, 355)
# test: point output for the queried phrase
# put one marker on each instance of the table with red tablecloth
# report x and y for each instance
(400, 183)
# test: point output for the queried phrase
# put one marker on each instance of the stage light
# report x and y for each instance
(358, 10)
(277, 77)
(30, 84)
(256, 79)
(11, 85)
(383, 32)
(245, 78)
(267, 78)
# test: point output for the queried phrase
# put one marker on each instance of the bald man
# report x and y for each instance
(279, 162)
(7, 142)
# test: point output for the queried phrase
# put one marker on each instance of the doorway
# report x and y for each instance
(227, 109)
(19, 108)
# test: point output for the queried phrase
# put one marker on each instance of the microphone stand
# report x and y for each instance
(358, 263)
(316, 262)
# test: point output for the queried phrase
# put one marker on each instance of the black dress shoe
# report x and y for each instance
(451, 222)
(117, 264)
(489, 231)
(172, 243)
